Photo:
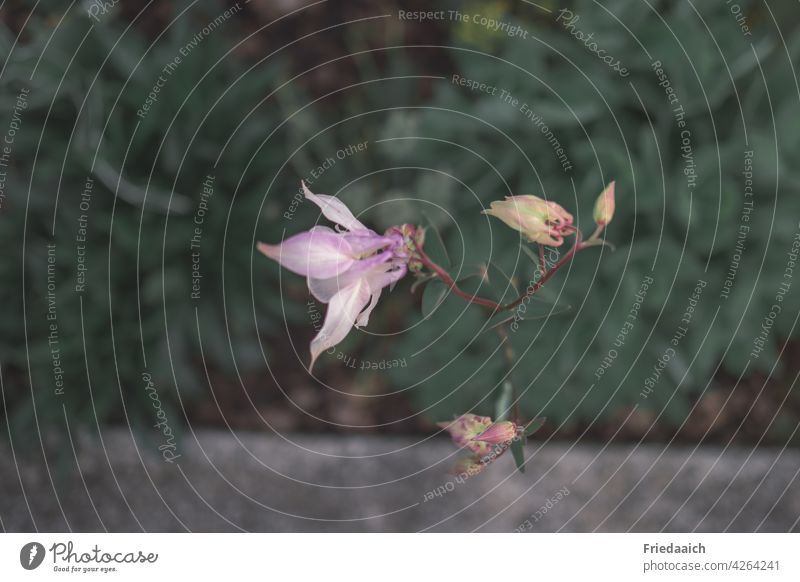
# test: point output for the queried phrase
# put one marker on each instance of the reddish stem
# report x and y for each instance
(529, 292)
(493, 305)
(450, 282)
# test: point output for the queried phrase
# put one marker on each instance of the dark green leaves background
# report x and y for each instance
(437, 154)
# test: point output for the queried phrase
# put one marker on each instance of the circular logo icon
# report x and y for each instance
(31, 555)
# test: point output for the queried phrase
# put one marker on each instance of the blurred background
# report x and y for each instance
(152, 144)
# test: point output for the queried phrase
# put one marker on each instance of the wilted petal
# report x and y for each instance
(319, 253)
(343, 310)
(499, 433)
(464, 428)
(334, 210)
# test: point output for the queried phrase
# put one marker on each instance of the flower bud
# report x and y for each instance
(541, 221)
(604, 207)
(413, 237)
(483, 439)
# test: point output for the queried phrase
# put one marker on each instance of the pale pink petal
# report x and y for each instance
(363, 318)
(319, 253)
(325, 288)
(377, 280)
(334, 210)
(343, 310)
(499, 433)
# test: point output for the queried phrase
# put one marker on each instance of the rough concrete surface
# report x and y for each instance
(231, 482)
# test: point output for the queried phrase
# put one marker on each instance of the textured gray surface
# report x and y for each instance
(265, 483)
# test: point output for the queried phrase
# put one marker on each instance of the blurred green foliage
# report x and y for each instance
(437, 153)
(86, 84)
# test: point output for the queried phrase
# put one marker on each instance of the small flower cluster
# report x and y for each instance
(483, 439)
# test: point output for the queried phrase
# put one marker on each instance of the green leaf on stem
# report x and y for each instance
(505, 318)
(502, 407)
(421, 280)
(519, 455)
(598, 242)
(533, 257)
(441, 246)
(534, 425)
(478, 271)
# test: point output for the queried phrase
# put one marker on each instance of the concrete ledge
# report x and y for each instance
(231, 482)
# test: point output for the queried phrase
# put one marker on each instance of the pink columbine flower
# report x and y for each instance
(541, 221)
(346, 268)
(483, 439)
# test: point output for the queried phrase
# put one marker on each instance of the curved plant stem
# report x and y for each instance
(532, 289)
(450, 282)
(529, 292)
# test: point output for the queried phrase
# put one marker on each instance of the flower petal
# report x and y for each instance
(319, 253)
(499, 433)
(324, 288)
(541, 221)
(377, 281)
(363, 318)
(334, 210)
(465, 427)
(343, 310)
(365, 242)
